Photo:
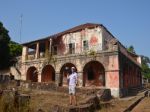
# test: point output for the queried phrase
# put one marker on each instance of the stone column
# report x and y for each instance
(50, 46)
(46, 49)
(57, 78)
(80, 79)
(24, 53)
(23, 72)
(79, 68)
(39, 76)
(37, 54)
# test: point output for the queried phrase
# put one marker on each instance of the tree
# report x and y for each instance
(145, 67)
(131, 49)
(15, 49)
(8, 49)
(4, 48)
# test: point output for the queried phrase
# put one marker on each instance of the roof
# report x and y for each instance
(132, 54)
(71, 30)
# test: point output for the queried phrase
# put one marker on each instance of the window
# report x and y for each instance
(55, 50)
(85, 45)
(72, 48)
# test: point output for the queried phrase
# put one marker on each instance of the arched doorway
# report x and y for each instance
(48, 74)
(65, 69)
(32, 74)
(93, 74)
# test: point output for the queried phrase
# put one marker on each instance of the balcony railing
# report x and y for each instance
(89, 51)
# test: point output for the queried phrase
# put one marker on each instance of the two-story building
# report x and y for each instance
(99, 58)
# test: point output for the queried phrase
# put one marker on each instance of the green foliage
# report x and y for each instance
(4, 48)
(8, 49)
(92, 52)
(131, 49)
(15, 49)
(145, 67)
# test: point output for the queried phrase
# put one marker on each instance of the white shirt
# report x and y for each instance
(73, 79)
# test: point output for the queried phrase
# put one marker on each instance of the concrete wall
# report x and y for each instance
(112, 75)
(112, 72)
(106, 53)
(98, 41)
(109, 61)
(93, 36)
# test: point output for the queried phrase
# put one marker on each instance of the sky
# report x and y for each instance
(127, 20)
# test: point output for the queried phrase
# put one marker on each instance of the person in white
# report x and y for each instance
(73, 81)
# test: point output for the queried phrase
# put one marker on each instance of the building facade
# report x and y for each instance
(100, 60)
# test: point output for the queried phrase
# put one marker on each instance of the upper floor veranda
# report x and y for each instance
(83, 39)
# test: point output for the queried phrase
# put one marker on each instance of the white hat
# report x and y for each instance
(72, 67)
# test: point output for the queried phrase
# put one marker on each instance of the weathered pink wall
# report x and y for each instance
(112, 79)
(113, 62)
(93, 36)
(112, 72)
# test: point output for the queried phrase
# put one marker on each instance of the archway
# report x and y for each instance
(93, 74)
(48, 74)
(32, 74)
(65, 69)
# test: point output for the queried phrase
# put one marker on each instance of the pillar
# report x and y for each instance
(80, 79)
(39, 76)
(57, 78)
(24, 53)
(46, 49)
(37, 54)
(50, 46)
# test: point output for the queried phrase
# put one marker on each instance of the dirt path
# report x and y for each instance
(143, 106)
(46, 100)
(119, 105)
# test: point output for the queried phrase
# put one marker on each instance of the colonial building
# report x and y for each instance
(100, 60)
